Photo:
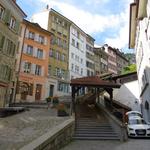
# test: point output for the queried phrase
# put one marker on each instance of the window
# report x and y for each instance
(10, 48)
(29, 50)
(72, 67)
(51, 53)
(63, 57)
(39, 53)
(41, 39)
(2, 39)
(72, 55)
(31, 35)
(5, 72)
(12, 23)
(77, 45)
(27, 67)
(49, 70)
(73, 42)
(1, 12)
(38, 70)
(58, 55)
(81, 71)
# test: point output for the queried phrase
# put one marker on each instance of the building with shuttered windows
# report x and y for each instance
(33, 66)
(10, 17)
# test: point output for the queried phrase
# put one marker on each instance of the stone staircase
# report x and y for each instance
(91, 124)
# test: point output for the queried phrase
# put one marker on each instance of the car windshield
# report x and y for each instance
(137, 121)
(135, 114)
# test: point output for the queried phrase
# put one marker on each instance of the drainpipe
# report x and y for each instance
(15, 92)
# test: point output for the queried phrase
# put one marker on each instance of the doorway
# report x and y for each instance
(51, 90)
(38, 92)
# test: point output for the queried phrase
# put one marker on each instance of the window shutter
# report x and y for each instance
(43, 54)
(36, 37)
(27, 33)
(42, 71)
(7, 16)
(22, 66)
(45, 41)
(17, 26)
(33, 68)
(35, 51)
(25, 48)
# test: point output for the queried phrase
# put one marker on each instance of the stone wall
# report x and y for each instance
(54, 139)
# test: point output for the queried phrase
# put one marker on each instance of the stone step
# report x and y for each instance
(95, 135)
(96, 138)
(96, 132)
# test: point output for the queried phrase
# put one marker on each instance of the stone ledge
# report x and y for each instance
(45, 140)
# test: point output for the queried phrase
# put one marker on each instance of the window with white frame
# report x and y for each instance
(63, 57)
(39, 53)
(41, 39)
(12, 23)
(31, 35)
(72, 55)
(27, 67)
(38, 70)
(49, 70)
(73, 42)
(2, 9)
(29, 50)
(72, 67)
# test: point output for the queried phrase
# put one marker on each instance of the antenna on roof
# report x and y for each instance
(47, 6)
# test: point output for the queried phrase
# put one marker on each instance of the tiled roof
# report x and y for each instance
(93, 81)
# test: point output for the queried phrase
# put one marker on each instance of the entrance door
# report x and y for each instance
(38, 92)
(51, 90)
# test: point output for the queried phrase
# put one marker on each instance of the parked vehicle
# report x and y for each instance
(131, 114)
(137, 127)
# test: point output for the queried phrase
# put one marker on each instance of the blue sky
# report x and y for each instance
(105, 20)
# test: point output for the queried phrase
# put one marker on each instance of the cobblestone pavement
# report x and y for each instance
(131, 144)
(20, 129)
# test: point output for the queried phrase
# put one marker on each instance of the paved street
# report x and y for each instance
(131, 144)
(20, 129)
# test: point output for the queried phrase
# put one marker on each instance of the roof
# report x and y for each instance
(37, 26)
(124, 75)
(19, 8)
(93, 81)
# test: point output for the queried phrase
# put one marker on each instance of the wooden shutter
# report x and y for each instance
(35, 51)
(33, 66)
(27, 33)
(25, 48)
(7, 16)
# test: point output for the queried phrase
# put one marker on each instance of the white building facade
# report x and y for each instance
(77, 52)
(139, 39)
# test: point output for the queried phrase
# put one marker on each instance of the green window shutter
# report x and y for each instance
(7, 16)
(2, 39)
(17, 26)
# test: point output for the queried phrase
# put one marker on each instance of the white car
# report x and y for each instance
(137, 127)
(133, 114)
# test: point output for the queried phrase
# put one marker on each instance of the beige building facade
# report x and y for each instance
(10, 17)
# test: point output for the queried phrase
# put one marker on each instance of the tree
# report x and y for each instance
(129, 69)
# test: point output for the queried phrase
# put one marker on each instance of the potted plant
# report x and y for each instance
(61, 110)
(48, 100)
(55, 101)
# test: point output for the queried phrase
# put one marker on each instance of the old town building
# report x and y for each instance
(90, 65)
(121, 61)
(101, 60)
(33, 67)
(139, 39)
(59, 25)
(10, 17)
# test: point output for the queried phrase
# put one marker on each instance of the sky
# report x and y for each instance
(107, 21)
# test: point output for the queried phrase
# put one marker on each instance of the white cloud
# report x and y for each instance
(97, 23)
(90, 23)
(121, 39)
